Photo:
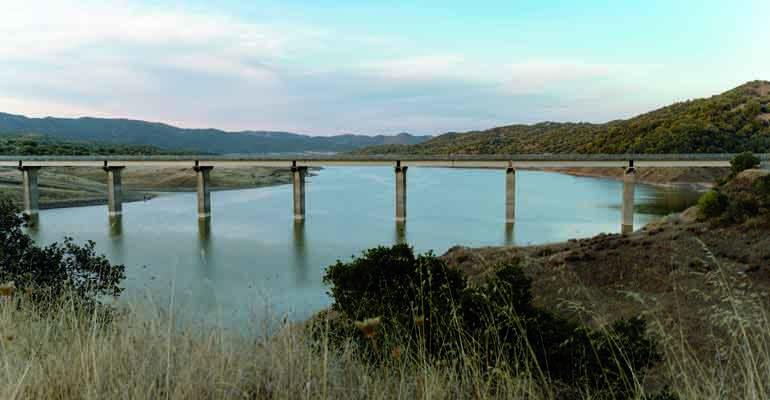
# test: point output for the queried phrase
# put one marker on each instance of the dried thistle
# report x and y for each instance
(369, 327)
(396, 353)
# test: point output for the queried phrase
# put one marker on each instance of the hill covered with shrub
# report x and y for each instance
(35, 145)
(732, 122)
(168, 137)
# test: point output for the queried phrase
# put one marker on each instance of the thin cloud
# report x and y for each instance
(68, 58)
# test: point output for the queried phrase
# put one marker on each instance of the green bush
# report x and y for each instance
(397, 287)
(483, 324)
(712, 205)
(64, 271)
(742, 162)
(742, 206)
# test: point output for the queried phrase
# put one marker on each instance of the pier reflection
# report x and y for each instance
(204, 239)
(400, 232)
(116, 226)
(116, 239)
(33, 223)
(301, 265)
(509, 236)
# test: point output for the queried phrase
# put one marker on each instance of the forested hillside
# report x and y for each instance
(32, 145)
(732, 122)
(167, 137)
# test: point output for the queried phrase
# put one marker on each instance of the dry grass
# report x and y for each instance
(67, 357)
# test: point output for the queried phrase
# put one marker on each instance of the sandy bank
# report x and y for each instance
(76, 187)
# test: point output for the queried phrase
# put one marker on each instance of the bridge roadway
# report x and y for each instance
(203, 165)
(467, 161)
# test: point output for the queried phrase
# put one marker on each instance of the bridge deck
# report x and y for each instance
(460, 161)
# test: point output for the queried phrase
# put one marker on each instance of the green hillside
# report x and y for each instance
(732, 122)
(167, 137)
(35, 145)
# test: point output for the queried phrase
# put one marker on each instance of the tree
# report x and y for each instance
(742, 162)
(55, 273)
(712, 204)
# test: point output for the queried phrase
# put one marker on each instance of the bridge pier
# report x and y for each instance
(400, 192)
(510, 195)
(298, 179)
(204, 196)
(30, 192)
(114, 190)
(627, 209)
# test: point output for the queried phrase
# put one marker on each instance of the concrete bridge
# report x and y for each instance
(203, 165)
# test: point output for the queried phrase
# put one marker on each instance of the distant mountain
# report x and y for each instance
(735, 121)
(163, 136)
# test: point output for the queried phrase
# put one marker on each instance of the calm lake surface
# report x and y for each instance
(253, 263)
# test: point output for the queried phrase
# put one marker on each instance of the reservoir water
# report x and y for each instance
(253, 263)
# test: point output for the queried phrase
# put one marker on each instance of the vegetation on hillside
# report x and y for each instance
(144, 133)
(742, 198)
(732, 122)
(418, 305)
(43, 146)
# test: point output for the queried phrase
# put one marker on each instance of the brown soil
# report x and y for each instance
(763, 89)
(706, 283)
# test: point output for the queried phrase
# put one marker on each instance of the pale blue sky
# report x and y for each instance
(327, 67)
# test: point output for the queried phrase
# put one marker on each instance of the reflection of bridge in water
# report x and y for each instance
(203, 165)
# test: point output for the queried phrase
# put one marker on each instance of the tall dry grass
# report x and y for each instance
(63, 355)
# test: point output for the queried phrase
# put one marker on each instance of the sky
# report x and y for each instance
(324, 67)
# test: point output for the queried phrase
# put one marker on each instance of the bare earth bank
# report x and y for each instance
(75, 186)
(693, 178)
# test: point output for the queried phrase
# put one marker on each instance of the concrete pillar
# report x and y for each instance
(627, 209)
(400, 192)
(510, 195)
(298, 179)
(114, 190)
(204, 196)
(30, 193)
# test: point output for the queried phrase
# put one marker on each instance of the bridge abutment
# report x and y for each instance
(30, 191)
(510, 195)
(400, 192)
(627, 208)
(204, 195)
(114, 190)
(298, 180)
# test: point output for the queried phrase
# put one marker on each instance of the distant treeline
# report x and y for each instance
(43, 146)
(732, 122)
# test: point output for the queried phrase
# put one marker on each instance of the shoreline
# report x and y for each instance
(136, 196)
(695, 185)
(83, 187)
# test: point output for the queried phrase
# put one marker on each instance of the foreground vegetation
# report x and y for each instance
(69, 354)
(732, 122)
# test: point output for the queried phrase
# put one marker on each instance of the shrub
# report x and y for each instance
(393, 284)
(742, 162)
(483, 324)
(57, 271)
(742, 206)
(712, 205)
